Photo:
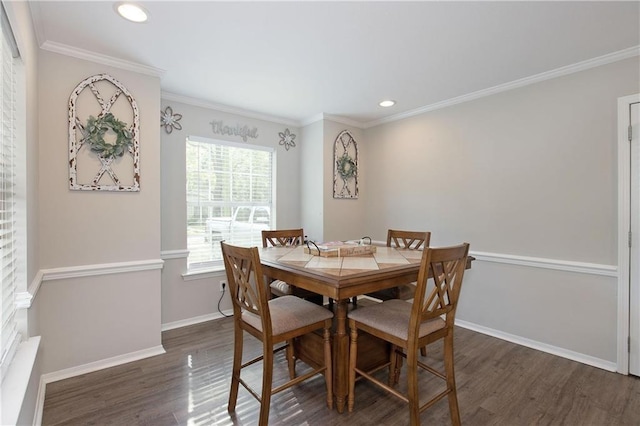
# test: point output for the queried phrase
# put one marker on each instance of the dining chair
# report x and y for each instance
(272, 321)
(409, 326)
(287, 237)
(412, 240)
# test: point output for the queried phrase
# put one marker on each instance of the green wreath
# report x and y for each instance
(347, 168)
(96, 129)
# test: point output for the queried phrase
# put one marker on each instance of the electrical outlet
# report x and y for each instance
(223, 285)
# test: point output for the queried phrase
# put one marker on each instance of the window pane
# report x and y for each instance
(229, 197)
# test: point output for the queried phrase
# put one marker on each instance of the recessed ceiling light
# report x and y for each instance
(387, 103)
(132, 12)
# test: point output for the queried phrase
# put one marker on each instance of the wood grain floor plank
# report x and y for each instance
(499, 383)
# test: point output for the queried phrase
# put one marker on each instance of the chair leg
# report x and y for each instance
(412, 387)
(328, 372)
(423, 351)
(393, 359)
(451, 380)
(235, 373)
(353, 357)
(291, 360)
(397, 367)
(267, 380)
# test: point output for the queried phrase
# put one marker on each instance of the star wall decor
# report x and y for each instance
(170, 120)
(287, 139)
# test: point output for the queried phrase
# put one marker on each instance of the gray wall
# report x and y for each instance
(529, 172)
(183, 301)
(324, 217)
(312, 178)
(87, 318)
(344, 218)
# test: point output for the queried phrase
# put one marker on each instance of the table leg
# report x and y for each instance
(341, 355)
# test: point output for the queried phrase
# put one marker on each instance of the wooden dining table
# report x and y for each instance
(341, 278)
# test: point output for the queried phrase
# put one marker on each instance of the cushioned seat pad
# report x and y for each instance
(281, 288)
(289, 313)
(392, 317)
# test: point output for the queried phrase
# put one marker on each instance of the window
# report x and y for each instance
(9, 60)
(229, 197)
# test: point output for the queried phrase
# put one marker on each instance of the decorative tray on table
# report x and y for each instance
(339, 248)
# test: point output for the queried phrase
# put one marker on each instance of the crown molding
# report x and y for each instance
(168, 96)
(87, 55)
(36, 19)
(335, 118)
(537, 78)
(156, 72)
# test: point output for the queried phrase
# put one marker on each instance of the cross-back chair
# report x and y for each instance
(287, 237)
(272, 321)
(409, 326)
(412, 240)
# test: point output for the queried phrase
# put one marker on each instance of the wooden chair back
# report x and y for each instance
(402, 239)
(246, 284)
(287, 237)
(408, 239)
(445, 266)
(283, 237)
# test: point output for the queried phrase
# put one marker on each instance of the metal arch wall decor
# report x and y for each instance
(345, 166)
(92, 159)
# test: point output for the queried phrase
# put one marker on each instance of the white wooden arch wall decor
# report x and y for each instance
(345, 166)
(104, 132)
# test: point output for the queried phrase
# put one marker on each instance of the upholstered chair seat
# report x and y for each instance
(392, 317)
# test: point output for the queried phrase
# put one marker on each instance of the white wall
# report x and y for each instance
(197, 299)
(87, 317)
(528, 172)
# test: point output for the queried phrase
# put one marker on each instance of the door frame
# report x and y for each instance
(624, 223)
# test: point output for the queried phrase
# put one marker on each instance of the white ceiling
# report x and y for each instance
(296, 60)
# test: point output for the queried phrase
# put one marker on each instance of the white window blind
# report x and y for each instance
(8, 245)
(229, 197)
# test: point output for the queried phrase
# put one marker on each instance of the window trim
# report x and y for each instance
(205, 269)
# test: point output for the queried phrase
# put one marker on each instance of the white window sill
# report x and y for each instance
(15, 384)
(200, 274)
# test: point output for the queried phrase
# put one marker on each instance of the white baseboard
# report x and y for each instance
(88, 368)
(196, 320)
(554, 350)
(102, 364)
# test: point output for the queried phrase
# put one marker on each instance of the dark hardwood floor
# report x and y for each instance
(499, 383)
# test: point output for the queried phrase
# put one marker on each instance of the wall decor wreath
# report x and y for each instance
(104, 149)
(345, 166)
(96, 129)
